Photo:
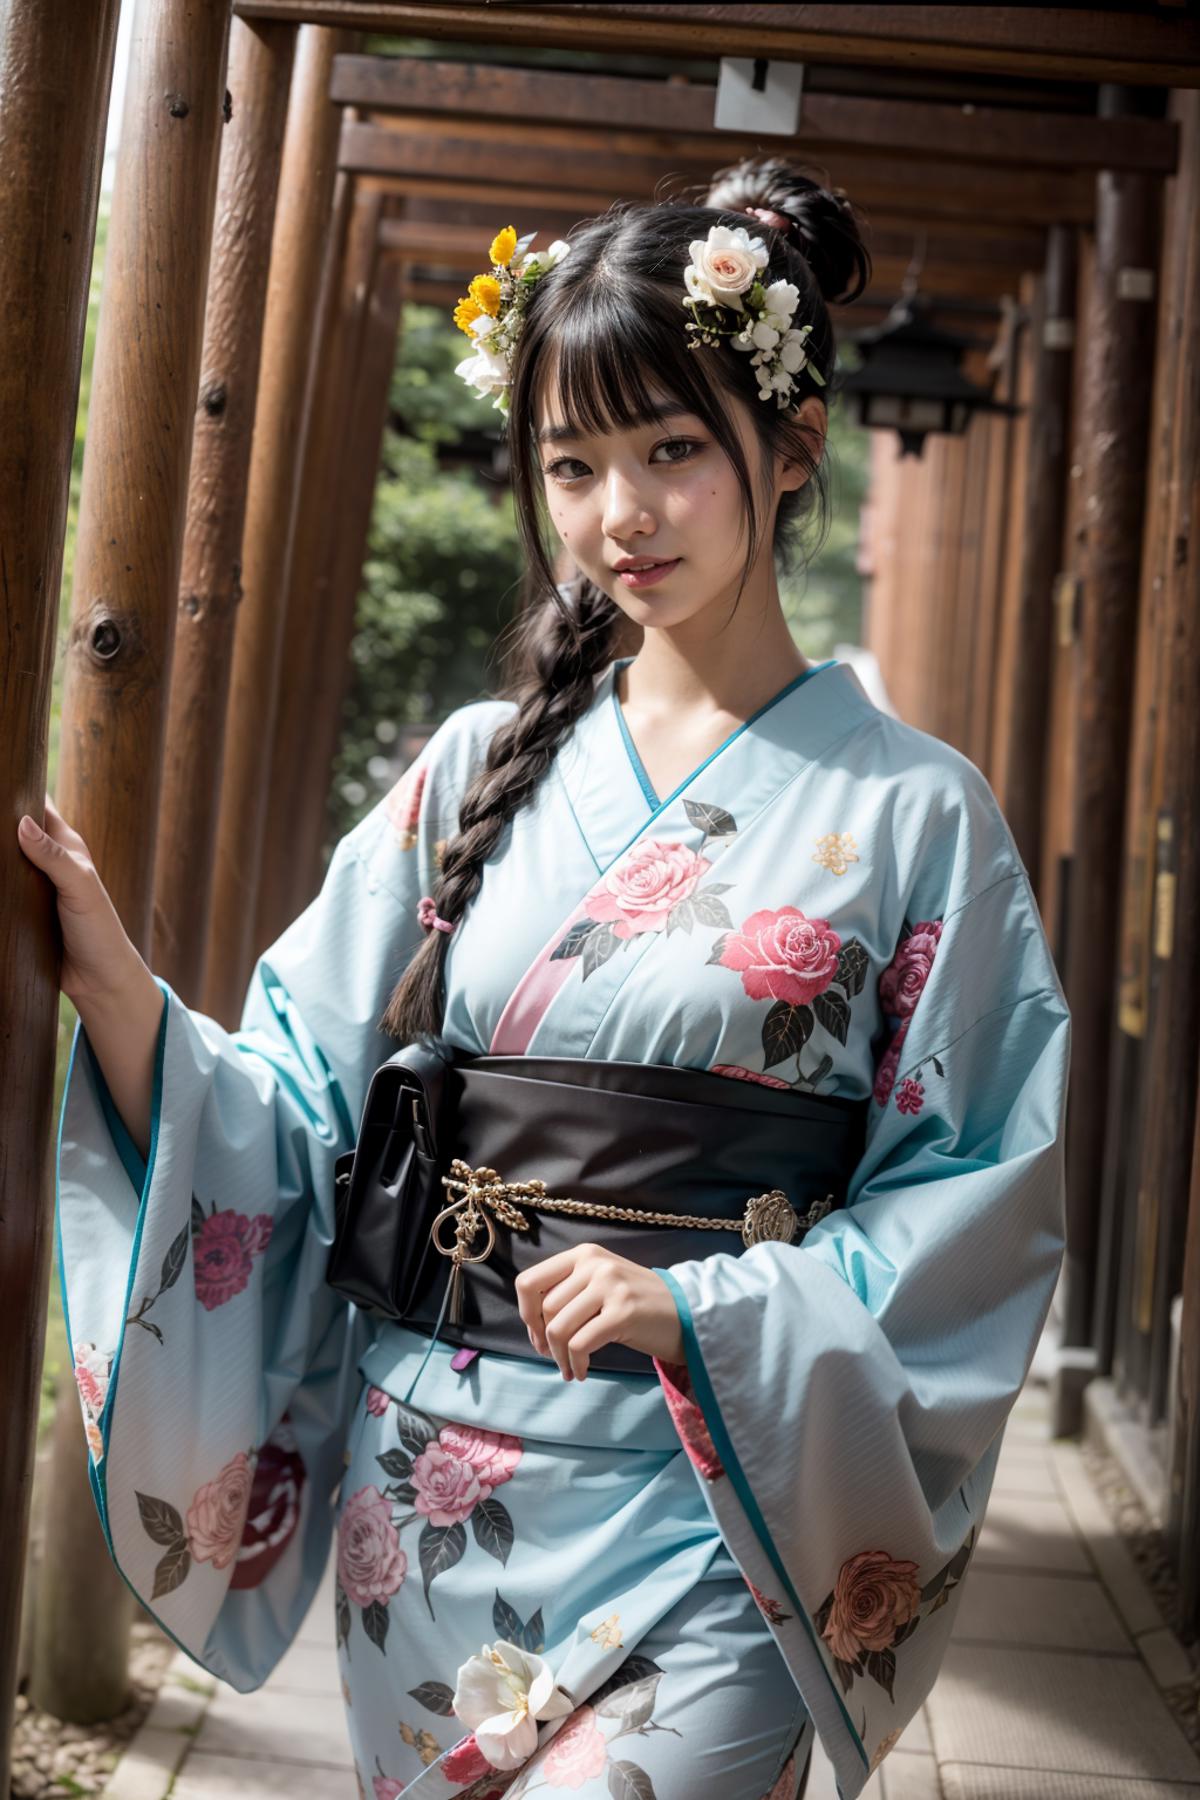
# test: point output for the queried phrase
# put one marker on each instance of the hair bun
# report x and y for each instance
(820, 223)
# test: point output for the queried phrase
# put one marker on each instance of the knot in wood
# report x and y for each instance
(214, 399)
(176, 105)
(105, 639)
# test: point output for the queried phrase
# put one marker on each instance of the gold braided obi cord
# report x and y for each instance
(768, 1218)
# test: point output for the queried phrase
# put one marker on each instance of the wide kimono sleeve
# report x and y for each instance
(843, 1399)
(216, 1367)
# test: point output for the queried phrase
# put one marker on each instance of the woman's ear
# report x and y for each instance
(813, 419)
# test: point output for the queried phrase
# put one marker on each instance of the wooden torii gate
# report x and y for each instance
(234, 434)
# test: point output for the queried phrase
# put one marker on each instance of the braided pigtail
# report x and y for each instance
(563, 642)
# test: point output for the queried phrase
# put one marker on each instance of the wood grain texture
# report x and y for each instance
(210, 583)
(55, 72)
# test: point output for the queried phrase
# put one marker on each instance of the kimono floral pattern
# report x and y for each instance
(246, 1514)
(694, 1435)
(403, 803)
(93, 1371)
(900, 987)
(654, 887)
(445, 1479)
(225, 1245)
(810, 976)
(875, 1607)
(579, 1751)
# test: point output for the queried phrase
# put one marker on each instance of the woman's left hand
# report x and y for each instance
(581, 1299)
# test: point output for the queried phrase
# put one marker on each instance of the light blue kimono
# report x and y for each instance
(832, 900)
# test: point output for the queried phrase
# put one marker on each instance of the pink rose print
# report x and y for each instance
(465, 1762)
(901, 983)
(770, 1609)
(885, 1075)
(92, 1368)
(577, 1753)
(377, 1402)
(370, 1563)
(737, 1073)
(274, 1508)
(386, 1788)
(783, 955)
(873, 1597)
(448, 1490)
(910, 1096)
(688, 1419)
(493, 1455)
(402, 805)
(217, 1515)
(639, 893)
(224, 1247)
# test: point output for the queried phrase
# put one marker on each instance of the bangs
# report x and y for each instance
(614, 368)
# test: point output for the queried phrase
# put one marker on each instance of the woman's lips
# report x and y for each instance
(643, 578)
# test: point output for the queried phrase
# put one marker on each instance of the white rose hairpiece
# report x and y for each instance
(492, 311)
(726, 299)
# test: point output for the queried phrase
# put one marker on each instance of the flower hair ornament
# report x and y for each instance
(726, 298)
(427, 916)
(492, 311)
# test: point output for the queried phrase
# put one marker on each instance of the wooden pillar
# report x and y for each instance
(301, 221)
(260, 63)
(127, 557)
(1117, 388)
(312, 635)
(1043, 501)
(354, 501)
(55, 71)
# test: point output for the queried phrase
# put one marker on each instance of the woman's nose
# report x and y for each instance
(625, 510)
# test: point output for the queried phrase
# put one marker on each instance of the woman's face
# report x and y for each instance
(663, 493)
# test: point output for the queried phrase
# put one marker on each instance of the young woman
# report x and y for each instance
(708, 1509)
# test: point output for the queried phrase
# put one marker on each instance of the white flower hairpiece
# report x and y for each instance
(722, 279)
(492, 311)
(724, 295)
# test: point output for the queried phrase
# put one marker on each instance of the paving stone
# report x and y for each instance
(906, 1776)
(147, 1768)
(236, 1778)
(1049, 1612)
(1025, 1469)
(1031, 1534)
(1165, 1657)
(1118, 1571)
(964, 1781)
(272, 1726)
(1048, 1710)
(306, 1669)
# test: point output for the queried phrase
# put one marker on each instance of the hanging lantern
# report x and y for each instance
(911, 380)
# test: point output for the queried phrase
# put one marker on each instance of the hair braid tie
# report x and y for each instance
(428, 917)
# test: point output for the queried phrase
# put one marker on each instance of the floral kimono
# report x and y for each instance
(714, 1560)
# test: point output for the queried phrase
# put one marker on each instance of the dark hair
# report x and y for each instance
(610, 316)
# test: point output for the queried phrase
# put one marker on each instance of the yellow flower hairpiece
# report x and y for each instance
(492, 311)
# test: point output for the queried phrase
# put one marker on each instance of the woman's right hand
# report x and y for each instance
(99, 958)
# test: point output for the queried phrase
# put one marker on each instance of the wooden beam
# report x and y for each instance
(534, 154)
(210, 584)
(1116, 403)
(55, 70)
(1075, 44)
(484, 92)
(132, 510)
(301, 222)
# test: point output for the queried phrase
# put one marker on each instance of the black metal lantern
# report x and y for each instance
(911, 381)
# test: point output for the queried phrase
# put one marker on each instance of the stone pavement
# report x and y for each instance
(1052, 1688)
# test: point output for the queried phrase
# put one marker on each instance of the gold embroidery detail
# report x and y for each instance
(836, 851)
(608, 1633)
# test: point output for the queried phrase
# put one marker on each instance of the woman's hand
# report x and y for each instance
(99, 959)
(581, 1299)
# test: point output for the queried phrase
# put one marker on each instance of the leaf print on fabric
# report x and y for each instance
(172, 1268)
(216, 1519)
(224, 1246)
(688, 1419)
(900, 987)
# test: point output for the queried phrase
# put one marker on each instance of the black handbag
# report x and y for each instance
(469, 1169)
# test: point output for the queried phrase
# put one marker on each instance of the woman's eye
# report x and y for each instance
(563, 469)
(688, 445)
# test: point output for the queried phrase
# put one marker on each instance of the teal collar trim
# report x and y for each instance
(716, 1425)
(639, 768)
